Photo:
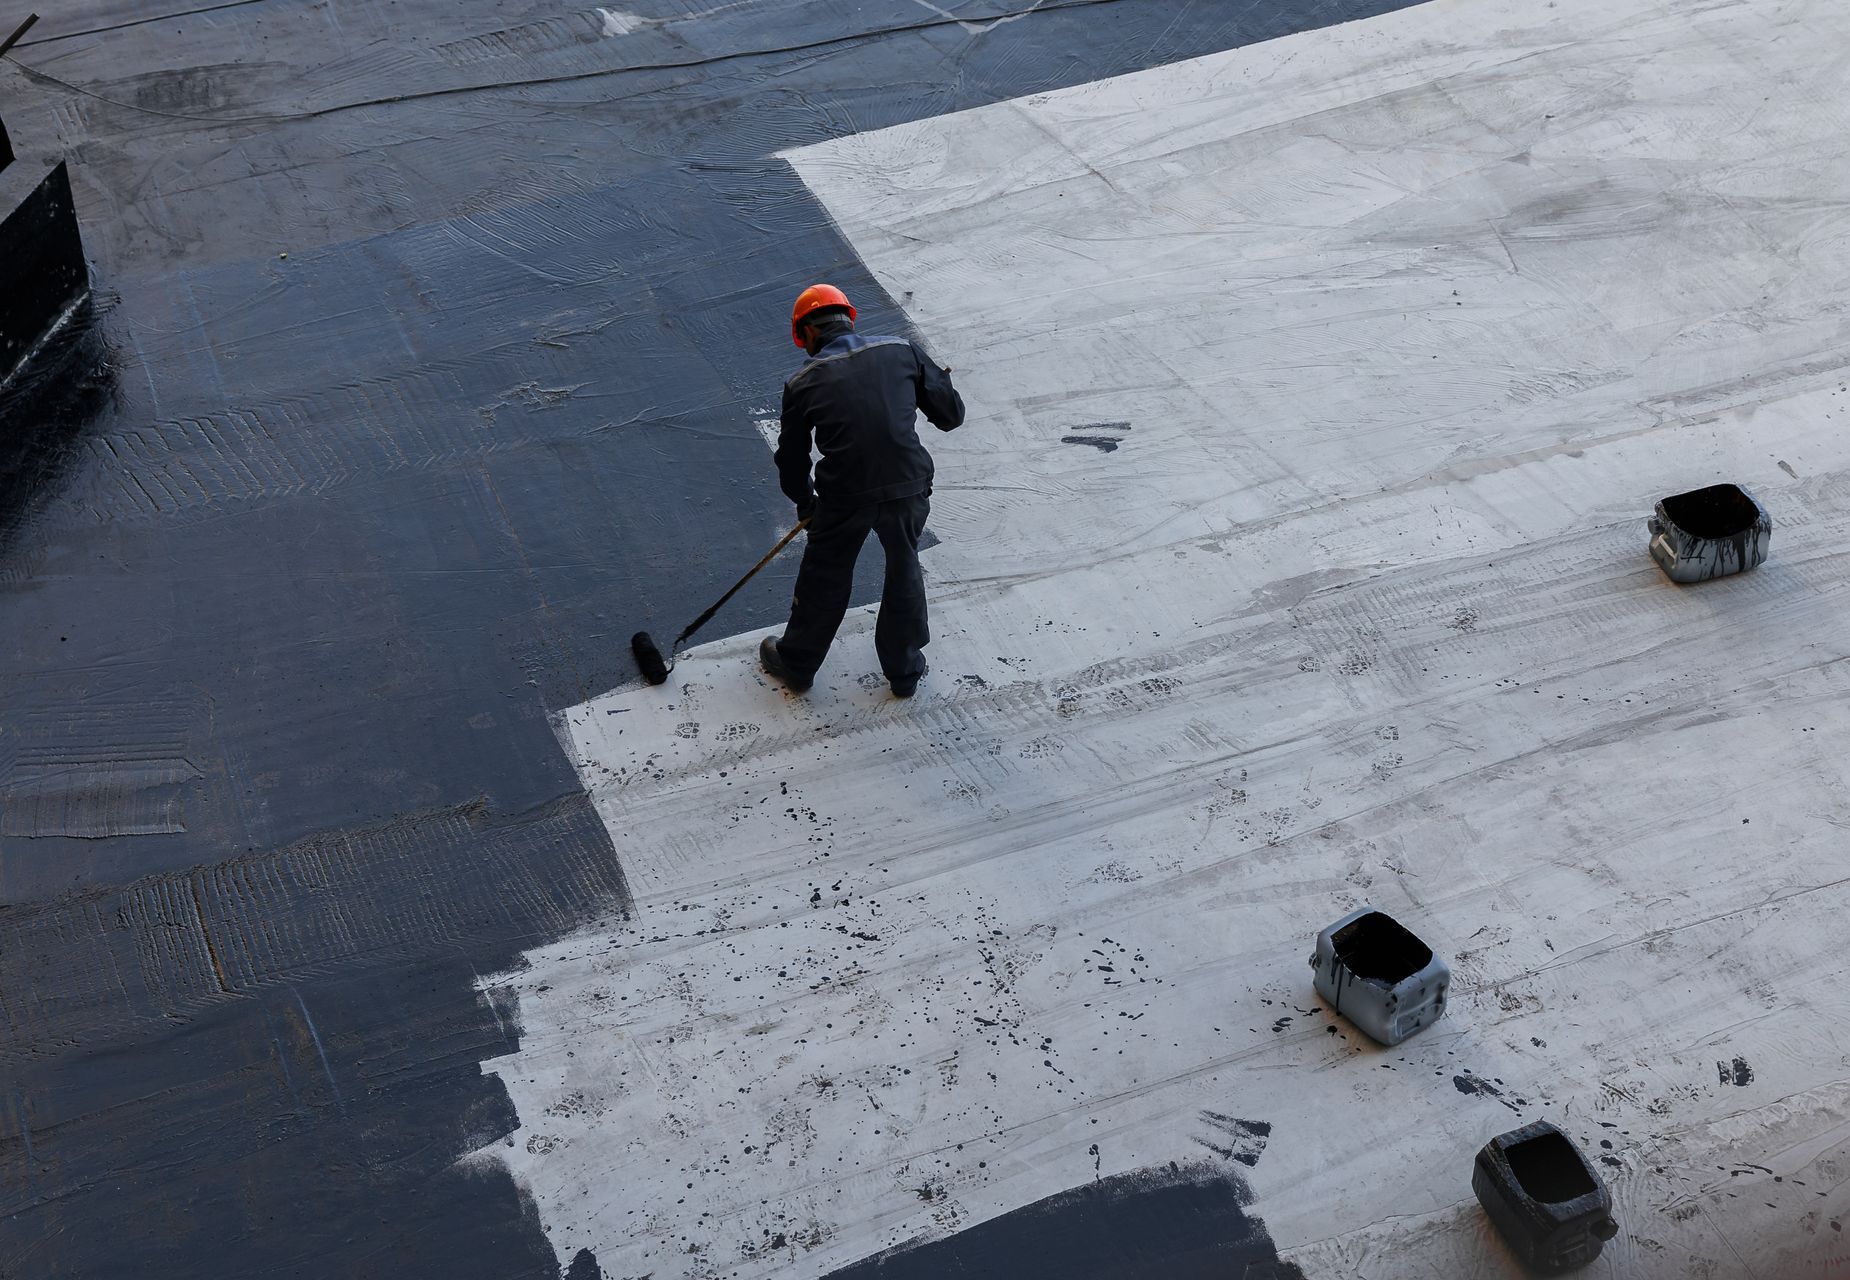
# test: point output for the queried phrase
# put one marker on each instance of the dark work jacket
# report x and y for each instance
(858, 398)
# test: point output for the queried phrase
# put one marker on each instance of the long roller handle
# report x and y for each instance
(751, 573)
(20, 31)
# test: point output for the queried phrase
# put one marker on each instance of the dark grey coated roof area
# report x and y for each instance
(420, 368)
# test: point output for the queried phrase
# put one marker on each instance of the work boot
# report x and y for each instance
(773, 662)
(910, 685)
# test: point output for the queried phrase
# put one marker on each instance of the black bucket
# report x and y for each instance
(1709, 533)
(1544, 1197)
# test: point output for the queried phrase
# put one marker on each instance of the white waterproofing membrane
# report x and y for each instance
(1294, 558)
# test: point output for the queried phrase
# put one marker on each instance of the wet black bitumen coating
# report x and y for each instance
(1378, 947)
(1719, 511)
(42, 270)
(50, 403)
(1548, 1168)
(1180, 1223)
(420, 372)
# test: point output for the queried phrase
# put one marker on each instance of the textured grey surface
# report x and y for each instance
(1401, 326)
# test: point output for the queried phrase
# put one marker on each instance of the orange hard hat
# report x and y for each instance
(812, 299)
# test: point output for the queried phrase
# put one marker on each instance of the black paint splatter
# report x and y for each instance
(1103, 436)
(1477, 1085)
(1236, 1139)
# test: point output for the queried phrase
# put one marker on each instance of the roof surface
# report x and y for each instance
(365, 917)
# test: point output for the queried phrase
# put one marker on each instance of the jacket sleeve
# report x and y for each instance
(792, 455)
(938, 399)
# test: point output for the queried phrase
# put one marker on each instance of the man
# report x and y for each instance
(858, 398)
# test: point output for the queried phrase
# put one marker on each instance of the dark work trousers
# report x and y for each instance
(826, 580)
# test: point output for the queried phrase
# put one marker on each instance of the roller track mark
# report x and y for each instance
(292, 446)
(1404, 612)
(99, 768)
(546, 36)
(181, 941)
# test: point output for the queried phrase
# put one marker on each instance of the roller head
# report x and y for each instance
(649, 658)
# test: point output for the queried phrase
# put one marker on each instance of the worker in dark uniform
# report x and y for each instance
(858, 399)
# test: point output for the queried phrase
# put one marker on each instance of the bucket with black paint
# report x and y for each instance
(1379, 976)
(1710, 533)
(1543, 1196)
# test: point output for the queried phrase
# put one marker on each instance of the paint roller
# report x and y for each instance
(649, 658)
